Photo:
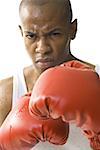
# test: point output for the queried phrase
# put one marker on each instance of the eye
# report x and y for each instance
(55, 34)
(31, 36)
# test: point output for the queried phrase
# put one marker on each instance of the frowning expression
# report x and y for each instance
(46, 34)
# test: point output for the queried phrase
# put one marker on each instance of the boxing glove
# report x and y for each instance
(20, 131)
(72, 91)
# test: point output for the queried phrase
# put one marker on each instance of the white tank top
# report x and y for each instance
(76, 140)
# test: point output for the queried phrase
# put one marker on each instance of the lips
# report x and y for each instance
(44, 63)
(43, 60)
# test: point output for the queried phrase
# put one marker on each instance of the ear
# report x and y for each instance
(20, 28)
(73, 29)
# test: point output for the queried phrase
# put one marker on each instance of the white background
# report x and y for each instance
(86, 46)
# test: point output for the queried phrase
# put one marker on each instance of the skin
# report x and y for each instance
(47, 40)
(46, 37)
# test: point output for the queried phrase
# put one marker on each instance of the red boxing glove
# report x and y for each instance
(72, 91)
(20, 131)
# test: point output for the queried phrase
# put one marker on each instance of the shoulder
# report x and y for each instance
(6, 87)
(91, 65)
(7, 81)
(87, 63)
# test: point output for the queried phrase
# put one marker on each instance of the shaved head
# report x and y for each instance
(64, 4)
(47, 29)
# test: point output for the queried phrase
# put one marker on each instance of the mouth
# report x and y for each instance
(44, 63)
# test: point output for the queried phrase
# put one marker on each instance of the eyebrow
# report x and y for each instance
(54, 30)
(47, 32)
(29, 32)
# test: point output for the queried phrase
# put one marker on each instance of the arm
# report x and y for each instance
(6, 88)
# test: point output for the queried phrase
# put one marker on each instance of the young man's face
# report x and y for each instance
(47, 35)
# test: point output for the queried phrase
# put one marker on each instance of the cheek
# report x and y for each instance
(27, 44)
(30, 47)
(63, 41)
(60, 46)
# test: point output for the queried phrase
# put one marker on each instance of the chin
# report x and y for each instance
(44, 69)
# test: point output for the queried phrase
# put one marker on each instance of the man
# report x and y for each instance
(47, 29)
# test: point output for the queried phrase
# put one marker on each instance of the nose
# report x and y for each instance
(42, 46)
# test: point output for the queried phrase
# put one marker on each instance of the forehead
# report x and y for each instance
(48, 14)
